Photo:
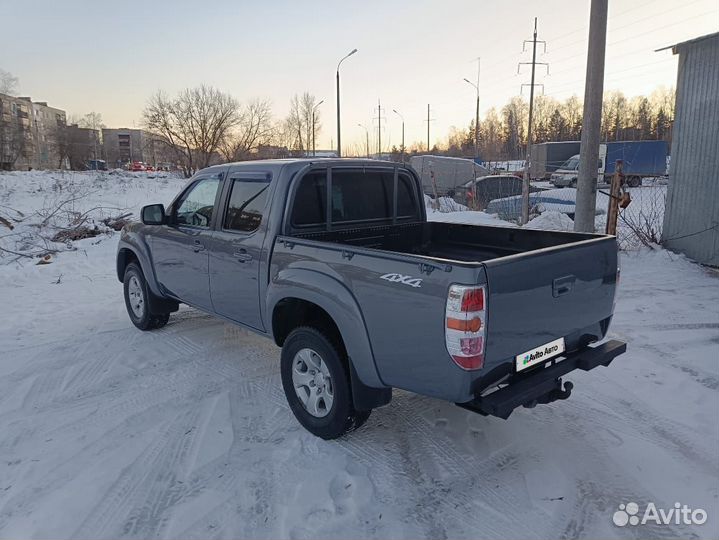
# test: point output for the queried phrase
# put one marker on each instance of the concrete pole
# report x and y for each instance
(428, 148)
(476, 114)
(314, 151)
(591, 125)
(339, 128)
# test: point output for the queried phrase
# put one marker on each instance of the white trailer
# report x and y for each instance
(441, 175)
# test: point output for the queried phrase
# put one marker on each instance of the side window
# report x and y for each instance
(310, 200)
(247, 202)
(197, 205)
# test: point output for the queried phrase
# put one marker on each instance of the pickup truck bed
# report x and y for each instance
(448, 241)
(541, 286)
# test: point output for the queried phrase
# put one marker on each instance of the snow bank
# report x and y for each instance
(443, 204)
(551, 220)
(40, 205)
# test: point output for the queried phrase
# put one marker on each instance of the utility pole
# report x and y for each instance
(402, 117)
(591, 124)
(525, 180)
(428, 121)
(379, 119)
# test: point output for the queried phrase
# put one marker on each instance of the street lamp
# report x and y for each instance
(339, 134)
(367, 137)
(395, 111)
(476, 116)
(314, 152)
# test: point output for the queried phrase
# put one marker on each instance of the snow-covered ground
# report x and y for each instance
(109, 432)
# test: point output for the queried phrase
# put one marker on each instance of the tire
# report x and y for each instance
(573, 184)
(312, 367)
(137, 300)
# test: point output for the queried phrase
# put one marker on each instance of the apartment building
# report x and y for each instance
(31, 134)
(124, 145)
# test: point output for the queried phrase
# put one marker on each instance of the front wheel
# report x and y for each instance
(317, 384)
(137, 296)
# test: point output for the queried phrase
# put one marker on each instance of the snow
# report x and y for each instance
(551, 220)
(109, 432)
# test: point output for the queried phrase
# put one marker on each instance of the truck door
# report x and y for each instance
(179, 249)
(237, 249)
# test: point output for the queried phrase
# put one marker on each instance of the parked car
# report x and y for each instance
(563, 200)
(137, 166)
(477, 193)
(336, 262)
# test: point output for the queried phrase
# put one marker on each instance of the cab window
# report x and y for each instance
(246, 205)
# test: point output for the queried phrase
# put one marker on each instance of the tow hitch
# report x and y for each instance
(553, 395)
(543, 384)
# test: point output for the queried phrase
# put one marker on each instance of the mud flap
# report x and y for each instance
(365, 397)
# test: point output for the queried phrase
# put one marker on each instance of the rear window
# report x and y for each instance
(356, 196)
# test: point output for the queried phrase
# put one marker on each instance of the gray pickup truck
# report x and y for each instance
(336, 262)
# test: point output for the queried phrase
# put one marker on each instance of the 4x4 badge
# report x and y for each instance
(405, 280)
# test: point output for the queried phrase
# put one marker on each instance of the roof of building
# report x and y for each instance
(688, 42)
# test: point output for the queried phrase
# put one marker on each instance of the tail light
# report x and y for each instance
(465, 325)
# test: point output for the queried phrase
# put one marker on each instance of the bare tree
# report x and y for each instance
(63, 146)
(254, 128)
(8, 83)
(92, 120)
(193, 125)
(299, 123)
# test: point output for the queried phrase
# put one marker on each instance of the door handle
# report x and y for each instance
(197, 246)
(562, 286)
(242, 256)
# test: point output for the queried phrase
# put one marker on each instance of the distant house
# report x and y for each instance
(691, 218)
(84, 147)
(124, 145)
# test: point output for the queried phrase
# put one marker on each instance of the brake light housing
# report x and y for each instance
(466, 325)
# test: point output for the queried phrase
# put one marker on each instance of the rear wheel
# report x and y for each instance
(634, 181)
(137, 300)
(317, 384)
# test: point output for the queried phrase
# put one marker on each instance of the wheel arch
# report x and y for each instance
(128, 253)
(301, 297)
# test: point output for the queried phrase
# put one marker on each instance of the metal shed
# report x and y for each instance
(691, 217)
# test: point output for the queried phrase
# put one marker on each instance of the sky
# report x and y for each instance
(109, 57)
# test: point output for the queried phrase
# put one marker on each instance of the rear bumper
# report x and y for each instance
(543, 385)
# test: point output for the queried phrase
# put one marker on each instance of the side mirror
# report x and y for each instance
(153, 214)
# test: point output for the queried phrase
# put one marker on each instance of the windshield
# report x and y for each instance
(572, 163)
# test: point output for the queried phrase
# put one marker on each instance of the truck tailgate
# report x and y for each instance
(540, 296)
